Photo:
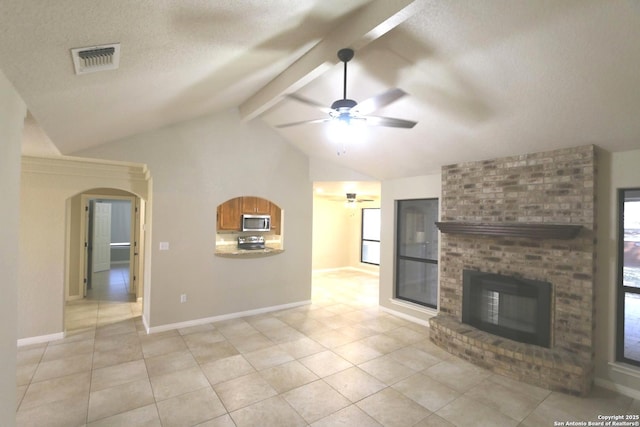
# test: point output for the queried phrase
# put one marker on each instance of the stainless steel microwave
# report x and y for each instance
(256, 222)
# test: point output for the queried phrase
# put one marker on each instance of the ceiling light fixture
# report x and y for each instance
(345, 130)
(346, 112)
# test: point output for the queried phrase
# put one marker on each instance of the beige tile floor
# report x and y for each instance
(338, 362)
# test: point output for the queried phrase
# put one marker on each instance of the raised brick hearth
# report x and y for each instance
(556, 187)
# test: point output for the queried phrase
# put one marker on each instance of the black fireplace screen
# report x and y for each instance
(514, 308)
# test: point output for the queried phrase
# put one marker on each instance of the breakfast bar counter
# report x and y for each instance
(232, 251)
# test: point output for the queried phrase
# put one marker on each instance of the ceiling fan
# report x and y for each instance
(351, 199)
(347, 110)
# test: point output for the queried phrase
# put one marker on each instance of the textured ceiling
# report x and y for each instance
(485, 78)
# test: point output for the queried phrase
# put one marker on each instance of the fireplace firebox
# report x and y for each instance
(510, 307)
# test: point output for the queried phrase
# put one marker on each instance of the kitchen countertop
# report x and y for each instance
(232, 251)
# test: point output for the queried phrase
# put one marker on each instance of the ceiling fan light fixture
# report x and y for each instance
(345, 130)
(348, 110)
(343, 105)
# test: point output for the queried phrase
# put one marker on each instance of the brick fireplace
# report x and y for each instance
(551, 196)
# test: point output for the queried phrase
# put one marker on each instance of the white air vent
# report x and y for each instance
(96, 58)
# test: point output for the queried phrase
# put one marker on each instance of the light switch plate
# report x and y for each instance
(164, 246)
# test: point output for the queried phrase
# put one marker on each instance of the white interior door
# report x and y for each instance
(101, 238)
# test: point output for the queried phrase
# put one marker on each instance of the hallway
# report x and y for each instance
(111, 285)
(108, 301)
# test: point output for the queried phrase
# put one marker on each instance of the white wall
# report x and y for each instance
(12, 114)
(615, 171)
(420, 187)
(195, 166)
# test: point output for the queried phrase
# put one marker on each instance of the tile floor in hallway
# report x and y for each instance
(337, 362)
(110, 285)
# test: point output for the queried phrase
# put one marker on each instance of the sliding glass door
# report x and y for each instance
(417, 251)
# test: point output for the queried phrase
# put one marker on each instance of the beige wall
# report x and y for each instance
(420, 187)
(337, 233)
(12, 114)
(615, 171)
(47, 187)
(195, 166)
(331, 227)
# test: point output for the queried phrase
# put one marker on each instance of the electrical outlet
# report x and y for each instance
(183, 298)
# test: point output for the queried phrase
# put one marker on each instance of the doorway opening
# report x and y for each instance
(109, 243)
(346, 240)
(105, 253)
(346, 225)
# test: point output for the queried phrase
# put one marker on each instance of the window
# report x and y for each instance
(628, 337)
(417, 251)
(370, 245)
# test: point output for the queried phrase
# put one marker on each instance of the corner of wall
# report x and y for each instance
(12, 114)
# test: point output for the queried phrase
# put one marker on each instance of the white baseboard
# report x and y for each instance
(364, 270)
(405, 316)
(414, 306)
(328, 270)
(40, 339)
(196, 322)
(145, 323)
(610, 385)
(360, 270)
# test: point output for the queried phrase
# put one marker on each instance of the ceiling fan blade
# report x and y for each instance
(286, 125)
(310, 102)
(389, 122)
(370, 105)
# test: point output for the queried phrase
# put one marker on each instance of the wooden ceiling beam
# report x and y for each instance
(359, 29)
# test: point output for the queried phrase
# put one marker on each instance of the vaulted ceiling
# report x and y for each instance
(484, 78)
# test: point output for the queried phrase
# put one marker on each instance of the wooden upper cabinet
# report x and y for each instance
(230, 215)
(256, 205)
(276, 217)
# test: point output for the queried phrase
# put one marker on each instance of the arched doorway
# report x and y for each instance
(95, 275)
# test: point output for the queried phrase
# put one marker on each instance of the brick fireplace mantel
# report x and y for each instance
(514, 229)
(530, 216)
